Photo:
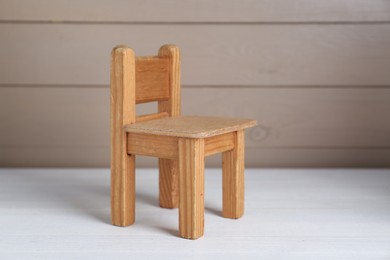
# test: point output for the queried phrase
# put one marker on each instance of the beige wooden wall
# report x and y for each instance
(314, 73)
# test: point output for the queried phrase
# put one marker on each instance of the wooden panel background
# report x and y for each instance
(314, 73)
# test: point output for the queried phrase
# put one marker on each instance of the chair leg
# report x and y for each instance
(191, 188)
(168, 183)
(233, 179)
(123, 191)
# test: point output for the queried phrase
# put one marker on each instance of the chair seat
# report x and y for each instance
(190, 126)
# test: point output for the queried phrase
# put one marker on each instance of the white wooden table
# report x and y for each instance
(290, 214)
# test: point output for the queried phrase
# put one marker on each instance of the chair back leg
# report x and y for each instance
(168, 183)
(233, 178)
(122, 113)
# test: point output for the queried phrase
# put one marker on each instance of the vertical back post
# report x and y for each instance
(169, 169)
(173, 105)
(122, 113)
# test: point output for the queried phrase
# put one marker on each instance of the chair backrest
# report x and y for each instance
(137, 80)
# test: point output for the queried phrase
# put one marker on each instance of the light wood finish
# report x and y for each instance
(168, 169)
(234, 55)
(284, 114)
(191, 187)
(152, 79)
(184, 11)
(178, 141)
(219, 143)
(168, 183)
(173, 104)
(233, 178)
(122, 113)
(151, 116)
(291, 132)
(152, 145)
(191, 126)
(307, 70)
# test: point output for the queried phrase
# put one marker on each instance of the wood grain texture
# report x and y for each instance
(219, 143)
(168, 183)
(73, 125)
(233, 179)
(289, 118)
(122, 113)
(302, 68)
(301, 117)
(191, 126)
(152, 116)
(255, 55)
(173, 105)
(168, 169)
(191, 188)
(152, 79)
(152, 145)
(195, 11)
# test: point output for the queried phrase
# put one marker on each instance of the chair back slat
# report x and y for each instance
(151, 79)
(136, 80)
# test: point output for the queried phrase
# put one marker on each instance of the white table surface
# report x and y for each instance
(290, 214)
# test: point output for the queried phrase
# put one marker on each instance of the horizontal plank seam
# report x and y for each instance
(5, 85)
(91, 22)
(249, 146)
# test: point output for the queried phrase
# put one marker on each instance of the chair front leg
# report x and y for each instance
(233, 178)
(191, 188)
(123, 190)
(168, 183)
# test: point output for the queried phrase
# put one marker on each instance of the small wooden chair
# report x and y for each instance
(180, 142)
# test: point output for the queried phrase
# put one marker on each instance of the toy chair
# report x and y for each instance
(180, 142)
